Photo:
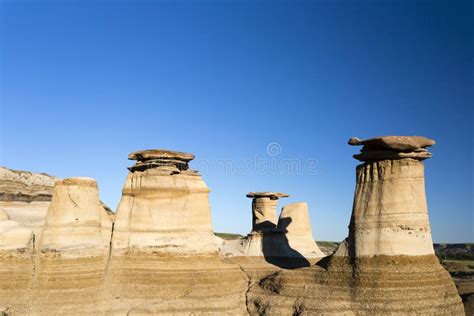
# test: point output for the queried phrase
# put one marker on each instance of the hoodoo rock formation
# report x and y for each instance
(387, 264)
(164, 206)
(264, 215)
(72, 252)
(289, 237)
(164, 254)
(390, 213)
(76, 223)
(25, 197)
(160, 256)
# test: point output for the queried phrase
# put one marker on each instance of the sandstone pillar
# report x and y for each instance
(264, 204)
(294, 222)
(390, 214)
(164, 206)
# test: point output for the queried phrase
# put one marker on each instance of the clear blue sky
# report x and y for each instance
(86, 82)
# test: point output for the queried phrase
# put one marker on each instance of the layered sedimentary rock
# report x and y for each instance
(289, 237)
(164, 206)
(76, 221)
(72, 252)
(164, 253)
(387, 264)
(25, 196)
(163, 257)
(13, 236)
(294, 222)
(264, 215)
(16, 264)
(264, 240)
(390, 213)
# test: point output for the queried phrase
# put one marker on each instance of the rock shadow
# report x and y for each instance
(277, 250)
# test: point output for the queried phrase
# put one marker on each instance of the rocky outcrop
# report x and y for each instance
(294, 222)
(289, 237)
(161, 257)
(264, 204)
(390, 213)
(164, 254)
(164, 206)
(386, 265)
(72, 252)
(76, 223)
(25, 197)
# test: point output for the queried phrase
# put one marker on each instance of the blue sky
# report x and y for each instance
(83, 83)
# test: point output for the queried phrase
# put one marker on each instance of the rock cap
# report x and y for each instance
(150, 154)
(175, 161)
(271, 195)
(396, 143)
(392, 147)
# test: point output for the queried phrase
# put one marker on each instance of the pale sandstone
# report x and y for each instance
(295, 223)
(264, 204)
(157, 271)
(164, 208)
(25, 197)
(386, 266)
(74, 220)
(164, 254)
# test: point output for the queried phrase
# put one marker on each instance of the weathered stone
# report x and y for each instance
(387, 264)
(75, 218)
(143, 155)
(15, 237)
(392, 155)
(164, 209)
(264, 217)
(295, 223)
(397, 143)
(25, 197)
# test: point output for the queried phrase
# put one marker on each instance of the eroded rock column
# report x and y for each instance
(164, 252)
(164, 206)
(72, 252)
(294, 222)
(264, 205)
(390, 214)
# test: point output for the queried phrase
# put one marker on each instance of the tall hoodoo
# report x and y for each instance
(387, 265)
(164, 251)
(164, 206)
(390, 214)
(264, 204)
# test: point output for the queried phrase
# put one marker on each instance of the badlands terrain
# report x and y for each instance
(62, 251)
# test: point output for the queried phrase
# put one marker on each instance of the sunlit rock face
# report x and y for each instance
(295, 223)
(25, 197)
(164, 206)
(387, 265)
(288, 237)
(76, 223)
(164, 257)
(72, 252)
(264, 239)
(13, 236)
(390, 213)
